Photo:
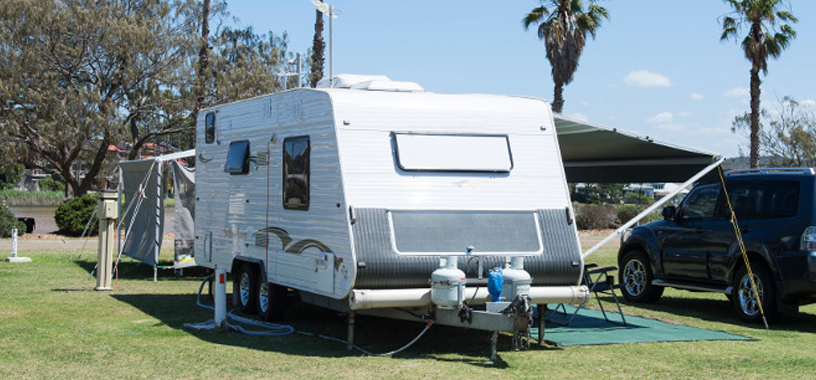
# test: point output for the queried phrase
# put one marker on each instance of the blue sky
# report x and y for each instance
(656, 68)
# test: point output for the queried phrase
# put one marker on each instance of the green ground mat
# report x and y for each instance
(590, 328)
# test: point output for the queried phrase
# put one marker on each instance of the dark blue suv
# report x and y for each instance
(695, 247)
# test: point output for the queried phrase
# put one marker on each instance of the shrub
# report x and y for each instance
(595, 217)
(8, 221)
(627, 212)
(73, 215)
(50, 184)
(637, 199)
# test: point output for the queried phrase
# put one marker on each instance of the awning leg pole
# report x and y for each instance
(350, 337)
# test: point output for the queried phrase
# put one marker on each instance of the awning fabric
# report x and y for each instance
(596, 154)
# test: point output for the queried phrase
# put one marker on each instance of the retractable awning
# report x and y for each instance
(596, 154)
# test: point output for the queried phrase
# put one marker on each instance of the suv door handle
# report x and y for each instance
(699, 230)
(744, 230)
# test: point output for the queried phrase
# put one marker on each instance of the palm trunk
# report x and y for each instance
(318, 50)
(754, 139)
(558, 97)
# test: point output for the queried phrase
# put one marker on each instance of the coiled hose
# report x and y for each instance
(282, 330)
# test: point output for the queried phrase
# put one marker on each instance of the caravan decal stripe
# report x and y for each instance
(262, 239)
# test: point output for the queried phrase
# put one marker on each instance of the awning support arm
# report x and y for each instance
(654, 206)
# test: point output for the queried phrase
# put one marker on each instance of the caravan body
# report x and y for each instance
(333, 190)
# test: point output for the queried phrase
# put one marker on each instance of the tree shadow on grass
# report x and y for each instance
(373, 334)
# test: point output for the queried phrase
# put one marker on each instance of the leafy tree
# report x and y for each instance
(769, 33)
(563, 25)
(787, 134)
(78, 76)
(10, 174)
(75, 74)
(318, 51)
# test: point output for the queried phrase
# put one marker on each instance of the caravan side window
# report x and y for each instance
(209, 128)
(296, 152)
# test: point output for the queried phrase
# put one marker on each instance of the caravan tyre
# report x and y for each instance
(271, 300)
(245, 288)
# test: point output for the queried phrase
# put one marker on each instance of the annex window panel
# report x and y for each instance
(453, 153)
(237, 158)
(455, 232)
(296, 157)
(209, 128)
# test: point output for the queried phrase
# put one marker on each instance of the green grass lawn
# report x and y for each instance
(54, 326)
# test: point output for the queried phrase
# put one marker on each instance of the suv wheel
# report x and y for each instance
(635, 277)
(744, 298)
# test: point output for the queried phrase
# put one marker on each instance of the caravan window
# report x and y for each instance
(237, 158)
(209, 128)
(296, 152)
(453, 153)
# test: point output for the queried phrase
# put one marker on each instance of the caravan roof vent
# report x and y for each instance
(370, 83)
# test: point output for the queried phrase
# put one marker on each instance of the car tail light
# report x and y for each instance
(809, 239)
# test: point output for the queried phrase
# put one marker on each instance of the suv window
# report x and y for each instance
(700, 203)
(762, 199)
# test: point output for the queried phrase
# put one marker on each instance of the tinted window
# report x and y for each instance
(238, 158)
(763, 199)
(700, 203)
(296, 152)
(209, 128)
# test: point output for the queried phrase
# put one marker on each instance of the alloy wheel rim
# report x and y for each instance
(263, 297)
(749, 303)
(244, 288)
(634, 277)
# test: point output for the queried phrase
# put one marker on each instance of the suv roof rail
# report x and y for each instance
(809, 171)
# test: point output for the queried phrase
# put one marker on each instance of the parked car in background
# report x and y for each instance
(696, 248)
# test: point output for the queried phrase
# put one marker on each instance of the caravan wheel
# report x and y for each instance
(271, 300)
(245, 288)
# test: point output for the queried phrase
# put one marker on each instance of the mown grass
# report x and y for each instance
(31, 198)
(53, 325)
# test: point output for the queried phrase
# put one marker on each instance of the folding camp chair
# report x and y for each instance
(598, 280)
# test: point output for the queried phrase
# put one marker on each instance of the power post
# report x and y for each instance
(107, 212)
(14, 258)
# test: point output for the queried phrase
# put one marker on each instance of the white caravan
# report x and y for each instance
(355, 195)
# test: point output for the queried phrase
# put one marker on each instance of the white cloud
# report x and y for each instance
(684, 114)
(579, 117)
(808, 102)
(661, 118)
(644, 78)
(697, 96)
(738, 92)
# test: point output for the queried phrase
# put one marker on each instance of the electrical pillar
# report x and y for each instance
(14, 258)
(107, 212)
(220, 296)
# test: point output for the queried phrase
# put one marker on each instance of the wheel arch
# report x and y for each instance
(238, 261)
(758, 254)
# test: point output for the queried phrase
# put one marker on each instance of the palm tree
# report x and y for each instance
(563, 25)
(769, 32)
